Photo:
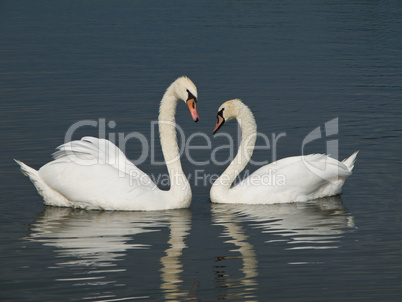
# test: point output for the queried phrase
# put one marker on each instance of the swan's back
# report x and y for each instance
(297, 178)
(95, 173)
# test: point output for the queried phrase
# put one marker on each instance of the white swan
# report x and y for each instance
(292, 179)
(95, 174)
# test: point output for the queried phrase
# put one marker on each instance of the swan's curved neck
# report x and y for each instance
(248, 137)
(168, 139)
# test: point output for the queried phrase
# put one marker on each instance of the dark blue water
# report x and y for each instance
(298, 65)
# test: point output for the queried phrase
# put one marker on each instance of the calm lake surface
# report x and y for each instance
(298, 65)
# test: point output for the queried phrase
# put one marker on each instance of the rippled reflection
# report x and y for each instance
(94, 241)
(317, 224)
(245, 285)
(171, 262)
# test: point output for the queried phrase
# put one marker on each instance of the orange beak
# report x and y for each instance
(192, 106)
(219, 123)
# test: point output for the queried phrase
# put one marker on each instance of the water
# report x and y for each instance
(297, 65)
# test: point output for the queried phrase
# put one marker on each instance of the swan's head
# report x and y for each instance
(185, 90)
(228, 111)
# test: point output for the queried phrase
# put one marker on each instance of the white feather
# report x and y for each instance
(94, 173)
(292, 179)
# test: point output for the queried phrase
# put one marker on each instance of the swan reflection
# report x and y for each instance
(317, 224)
(93, 242)
(247, 282)
(171, 263)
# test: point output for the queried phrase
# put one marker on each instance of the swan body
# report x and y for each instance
(94, 173)
(292, 179)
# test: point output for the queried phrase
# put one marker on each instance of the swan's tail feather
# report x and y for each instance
(50, 196)
(27, 170)
(350, 161)
(33, 176)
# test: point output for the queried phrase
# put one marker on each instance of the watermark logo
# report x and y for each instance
(111, 149)
(319, 165)
(331, 128)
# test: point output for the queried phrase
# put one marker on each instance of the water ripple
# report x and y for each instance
(318, 224)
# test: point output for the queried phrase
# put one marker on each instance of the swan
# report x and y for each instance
(94, 173)
(292, 179)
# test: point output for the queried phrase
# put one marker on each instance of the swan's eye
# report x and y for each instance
(191, 96)
(220, 113)
(220, 121)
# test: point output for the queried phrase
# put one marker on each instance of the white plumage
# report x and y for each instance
(292, 179)
(94, 173)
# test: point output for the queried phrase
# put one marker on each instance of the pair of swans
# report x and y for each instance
(94, 173)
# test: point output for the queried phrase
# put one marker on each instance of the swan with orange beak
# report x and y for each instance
(291, 179)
